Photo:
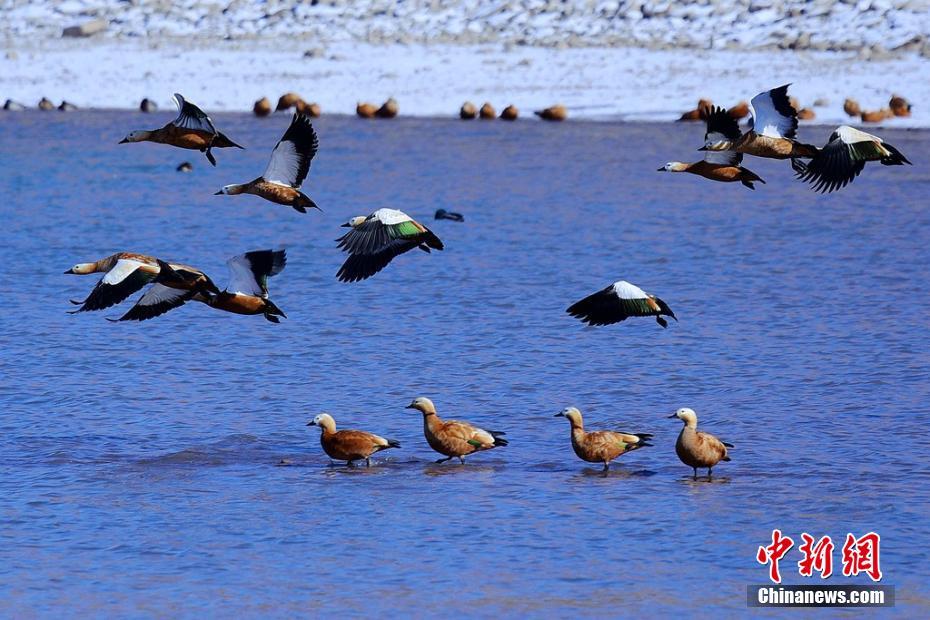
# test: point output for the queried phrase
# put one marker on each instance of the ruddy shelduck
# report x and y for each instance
(454, 438)
(365, 110)
(287, 101)
(843, 157)
(851, 107)
(723, 166)
(618, 302)
(192, 129)
(557, 112)
(695, 448)
(510, 113)
(899, 106)
(349, 445)
(388, 109)
(375, 240)
(286, 170)
(468, 111)
(601, 446)
(172, 288)
(247, 292)
(487, 112)
(699, 113)
(262, 107)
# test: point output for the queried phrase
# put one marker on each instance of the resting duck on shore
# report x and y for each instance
(454, 438)
(618, 302)
(773, 128)
(286, 170)
(601, 446)
(723, 166)
(349, 445)
(375, 241)
(695, 448)
(192, 129)
(843, 157)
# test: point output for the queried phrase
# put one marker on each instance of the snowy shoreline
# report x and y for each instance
(433, 80)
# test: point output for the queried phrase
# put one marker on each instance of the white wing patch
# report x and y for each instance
(483, 436)
(121, 270)
(389, 217)
(283, 166)
(850, 135)
(766, 120)
(625, 290)
(241, 278)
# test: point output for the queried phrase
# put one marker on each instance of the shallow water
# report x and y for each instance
(141, 463)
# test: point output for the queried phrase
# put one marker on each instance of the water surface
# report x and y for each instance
(140, 467)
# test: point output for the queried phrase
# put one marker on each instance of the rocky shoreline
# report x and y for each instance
(873, 29)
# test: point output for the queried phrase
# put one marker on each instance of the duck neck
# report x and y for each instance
(431, 421)
(238, 188)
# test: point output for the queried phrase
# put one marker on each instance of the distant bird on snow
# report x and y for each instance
(374, 241)
(618, 302)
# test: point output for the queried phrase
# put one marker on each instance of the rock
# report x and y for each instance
(86, 29)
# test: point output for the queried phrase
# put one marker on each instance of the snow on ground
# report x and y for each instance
(434, 80)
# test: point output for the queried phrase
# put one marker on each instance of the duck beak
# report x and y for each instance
(410, 406)
(662, 169)
(311, 423)
(674, 415)
(123, 141)
(559, 415)
(346, 225)
(70, 271)
(219, 193)
(703, 148)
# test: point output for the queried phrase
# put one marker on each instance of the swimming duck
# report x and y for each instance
(851, 107)
(46, 105)
(374, 241)
(468, 111)
(487, 111)
(287, 169)
(553, 113)
(773, 126)
(618, 302)
(453, 438)
(124, 274)
(67, 106)
(148, 106)
(192, 129)
(601, 446)
(365, 110)
(723, 166)
(699, 113)
(442, 214)
(287, 101)
(262, 107)
(510, 113)
(899, 106)
(843, 157)
(172, 288)
(247, 292)
(13, 106)
(388, 109)
(695, 448)
(349, 445)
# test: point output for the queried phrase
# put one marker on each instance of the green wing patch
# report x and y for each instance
(405, 230)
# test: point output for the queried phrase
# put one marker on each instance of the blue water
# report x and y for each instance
(165, 468)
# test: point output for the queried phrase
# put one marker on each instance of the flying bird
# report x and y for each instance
(773, 129)
(723, 166)
(374, 241)
(287, 169)
(843, 157)
(247, 292)
(172, 288)
(124, 274)
(618, 302)
(192, 129)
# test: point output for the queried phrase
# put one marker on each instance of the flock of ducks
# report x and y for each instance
(457, 439)
(772, 134)
(374, 241)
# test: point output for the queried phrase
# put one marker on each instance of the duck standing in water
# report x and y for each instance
(349, 445)
(618, 302)
(695, 448)
(374, 241)
(723, 166)
(454, 438)
(601, 446)
(192, 129)
(287, 169)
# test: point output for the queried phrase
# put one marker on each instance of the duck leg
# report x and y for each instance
(462, 460)
(606, 465)
(444, 460)
(368, 462)
(695, 474)
(708, 472)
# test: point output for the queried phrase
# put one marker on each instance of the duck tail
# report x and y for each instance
(165, 272)
(432, 240)
(726, 458)
(223, 141)
(498, 438)
(392, 443)
(272, 312)
(896, 158)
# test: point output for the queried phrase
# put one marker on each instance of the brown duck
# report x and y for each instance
(349, 445)
(601, 446)
(453, 438)
(697, 449)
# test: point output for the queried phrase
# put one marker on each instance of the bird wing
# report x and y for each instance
(843, 158)
(378, 232)
(290, 159)
(478, 438)
(772, 115)
(613, 304)
(125, 278)
(156, 301)
(362, 266)
(710, 445)
(358, 442)
(192, 117)
(249, 272)
(721, 127)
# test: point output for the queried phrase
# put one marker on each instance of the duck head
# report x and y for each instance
(230, 190)
(673, 166)
(136, 136)
(573, 415)
(423, 405)
(355, 222)
(324, 421)
(83, 269)
(687, 416)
